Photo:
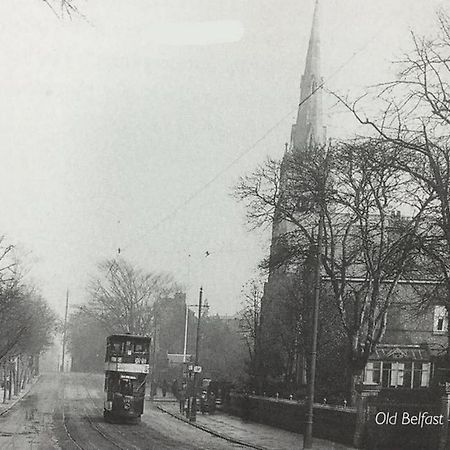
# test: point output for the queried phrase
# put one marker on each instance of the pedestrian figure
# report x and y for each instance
(245, 407)
(211, 403)
(175, 388)
(203, 402)
(164, 387)
(182, 397)
(153, 389)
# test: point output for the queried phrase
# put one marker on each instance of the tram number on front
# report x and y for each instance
(140, 360)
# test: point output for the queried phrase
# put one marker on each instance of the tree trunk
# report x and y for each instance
(5, 384)
(448, 334)
(10, 385)
(17, 378)
(355, 379)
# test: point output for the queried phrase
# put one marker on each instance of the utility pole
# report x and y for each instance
(193, 414)
(185, 332)
(65, 333)
(307, 438)
(153, 377)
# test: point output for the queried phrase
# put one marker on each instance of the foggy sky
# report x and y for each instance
(119, 131)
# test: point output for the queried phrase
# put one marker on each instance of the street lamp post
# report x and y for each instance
(307, 438)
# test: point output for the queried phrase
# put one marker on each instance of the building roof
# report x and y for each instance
(401, 353)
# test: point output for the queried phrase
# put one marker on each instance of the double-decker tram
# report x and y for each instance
(126, 369)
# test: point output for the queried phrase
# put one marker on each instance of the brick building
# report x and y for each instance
(415, 340)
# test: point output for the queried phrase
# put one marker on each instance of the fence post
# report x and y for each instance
(365, 391)
(445, 406)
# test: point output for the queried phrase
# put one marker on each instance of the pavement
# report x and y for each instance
(5, 407)
(246, 433)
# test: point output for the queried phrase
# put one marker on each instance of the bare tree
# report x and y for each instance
(63, 8)
(250, 327)
(27, 324)
(367, 248)
(122, 298)
(415, 126)
(250, 316)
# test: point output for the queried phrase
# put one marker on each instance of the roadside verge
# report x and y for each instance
(5, 407)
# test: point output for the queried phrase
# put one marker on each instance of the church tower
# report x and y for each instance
(281, 293)
(309, 128)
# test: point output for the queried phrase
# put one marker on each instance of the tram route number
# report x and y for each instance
(140, 361)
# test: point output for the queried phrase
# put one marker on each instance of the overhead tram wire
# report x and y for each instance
(248, 149)
(232, 163)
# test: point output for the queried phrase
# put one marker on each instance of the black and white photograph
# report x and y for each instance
(225, 224)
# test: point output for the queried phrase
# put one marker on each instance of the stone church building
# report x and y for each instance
(414, 338)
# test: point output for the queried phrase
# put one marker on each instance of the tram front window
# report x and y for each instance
(126, 388)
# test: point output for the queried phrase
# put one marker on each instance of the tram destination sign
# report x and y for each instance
(127, 367)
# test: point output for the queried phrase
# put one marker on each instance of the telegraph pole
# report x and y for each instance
(193, 415)
(65, 332)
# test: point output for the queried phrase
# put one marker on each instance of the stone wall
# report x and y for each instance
(330, 422)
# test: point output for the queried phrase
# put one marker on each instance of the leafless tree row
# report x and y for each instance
(27, 324)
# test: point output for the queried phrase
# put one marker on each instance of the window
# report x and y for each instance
(126, 387)
(406, 374)
(393, 374)
(138, 348)
(372, 372)
(425, 378)
(116, 347)
(440, 319)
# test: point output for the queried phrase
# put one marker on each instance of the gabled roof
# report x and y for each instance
(401, 353)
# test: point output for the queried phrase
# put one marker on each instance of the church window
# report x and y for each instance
(440, 319)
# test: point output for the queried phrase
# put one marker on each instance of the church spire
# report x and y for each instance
(309, 126)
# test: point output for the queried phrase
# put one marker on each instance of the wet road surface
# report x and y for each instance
(65, 411)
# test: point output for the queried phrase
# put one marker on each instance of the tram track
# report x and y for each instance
(77, 442)
(138, 434)
(100, 410)
(65, 411)
(85, 428)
